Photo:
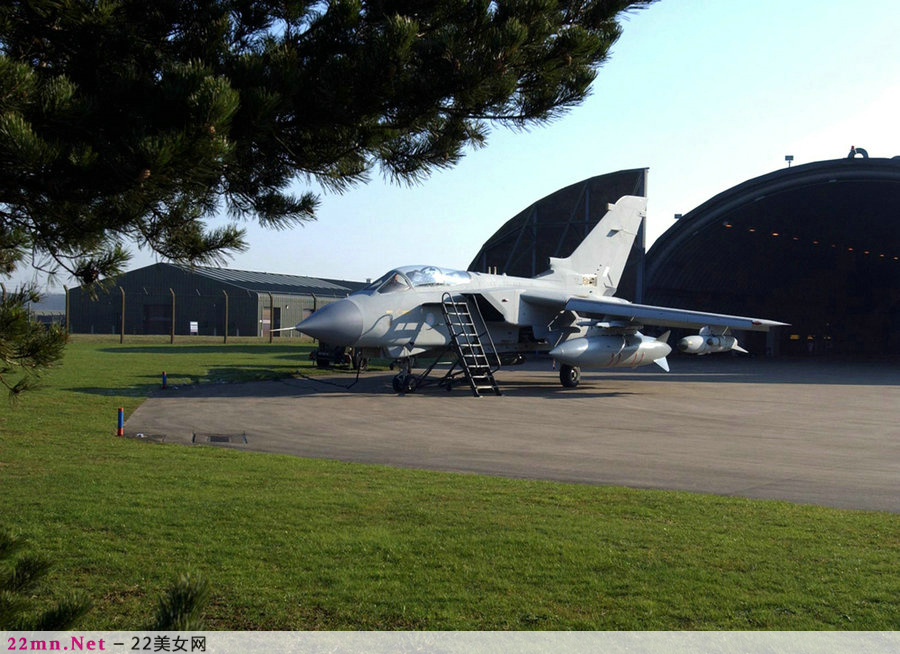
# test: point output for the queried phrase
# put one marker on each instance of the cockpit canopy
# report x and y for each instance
(402, 279)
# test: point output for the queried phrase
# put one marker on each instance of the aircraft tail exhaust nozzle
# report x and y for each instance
(708, 343)
(338, 323)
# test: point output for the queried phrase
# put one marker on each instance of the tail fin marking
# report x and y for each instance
(604, 251)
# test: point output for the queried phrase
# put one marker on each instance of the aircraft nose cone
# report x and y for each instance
(338, 323)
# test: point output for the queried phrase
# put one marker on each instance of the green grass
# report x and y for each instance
(290, 543)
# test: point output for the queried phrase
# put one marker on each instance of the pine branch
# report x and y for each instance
(26, 573)
(62, 615)
(181, 606)
(139, 120)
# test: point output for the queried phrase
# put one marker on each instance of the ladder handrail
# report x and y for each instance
(487, 332)
(465, 336)
(449, 300)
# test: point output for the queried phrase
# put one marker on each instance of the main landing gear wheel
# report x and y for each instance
(397, 383)
(569, 376)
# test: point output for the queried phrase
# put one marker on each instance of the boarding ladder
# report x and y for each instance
(478, 363)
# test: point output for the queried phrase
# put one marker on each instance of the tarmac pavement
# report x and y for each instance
(802, 431)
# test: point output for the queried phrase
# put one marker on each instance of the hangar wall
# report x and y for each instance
(199, 301)
(816, 245)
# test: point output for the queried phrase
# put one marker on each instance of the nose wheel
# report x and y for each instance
(569, 376)
(404, 382)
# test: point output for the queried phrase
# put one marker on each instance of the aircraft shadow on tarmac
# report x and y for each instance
(767, 371)
(530, 381)
(722, 370)
(373, 383)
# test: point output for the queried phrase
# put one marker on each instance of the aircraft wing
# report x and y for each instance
(646, 314)
(554, 299)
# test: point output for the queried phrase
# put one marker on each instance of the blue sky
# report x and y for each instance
(705, 93)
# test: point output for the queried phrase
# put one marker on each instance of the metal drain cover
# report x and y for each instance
(219, 438)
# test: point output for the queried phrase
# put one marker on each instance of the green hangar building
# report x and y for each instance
(165, 297)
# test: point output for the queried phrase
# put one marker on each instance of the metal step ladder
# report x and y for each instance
(477, 362)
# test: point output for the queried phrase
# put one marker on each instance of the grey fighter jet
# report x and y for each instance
(569, 311)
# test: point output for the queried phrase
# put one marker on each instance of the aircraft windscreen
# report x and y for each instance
(389, 282)
(434, 276)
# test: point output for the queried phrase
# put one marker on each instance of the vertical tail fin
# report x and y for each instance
(604, 251)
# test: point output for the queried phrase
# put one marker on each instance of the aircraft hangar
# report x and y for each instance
(816, 245)
(169, 298)
(556, 224)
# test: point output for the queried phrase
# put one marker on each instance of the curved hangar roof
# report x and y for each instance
(816, 245)
(556, 224)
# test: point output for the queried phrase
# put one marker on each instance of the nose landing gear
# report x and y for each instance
(404, 382)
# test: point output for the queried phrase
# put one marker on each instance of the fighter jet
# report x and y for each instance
(568, 311)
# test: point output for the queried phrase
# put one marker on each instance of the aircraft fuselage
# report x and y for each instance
(570, 310)
(401, 312)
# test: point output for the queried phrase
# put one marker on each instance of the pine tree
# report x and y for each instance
(131, 122)
(128, 122)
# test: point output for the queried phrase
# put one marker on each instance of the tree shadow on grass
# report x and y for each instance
(254, 348)
(215, 375)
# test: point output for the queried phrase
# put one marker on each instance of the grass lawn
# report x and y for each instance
(290, 543)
